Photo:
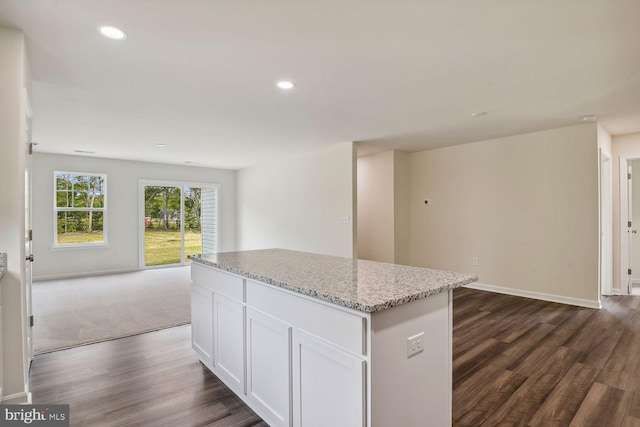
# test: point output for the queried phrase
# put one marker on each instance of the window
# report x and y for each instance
(80, 209)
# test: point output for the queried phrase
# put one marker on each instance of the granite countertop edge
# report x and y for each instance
(333, 298)
(3, 261)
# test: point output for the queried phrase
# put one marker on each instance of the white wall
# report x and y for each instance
(401, 184)
(376, 207)
(299, 203)
(526, 206)
(122, 253)
(383, 207)
(14, 76)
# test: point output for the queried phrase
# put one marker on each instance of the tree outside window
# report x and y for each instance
(80, 208)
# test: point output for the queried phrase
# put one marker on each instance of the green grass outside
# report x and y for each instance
(163, 247)
(160, 247)
(80, 238)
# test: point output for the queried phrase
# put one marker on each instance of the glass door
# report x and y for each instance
(163, 234)
(179, 220)
(192, 221)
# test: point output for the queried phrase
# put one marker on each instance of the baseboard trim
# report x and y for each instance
(84, 274)
(23, 398)
(536, 295)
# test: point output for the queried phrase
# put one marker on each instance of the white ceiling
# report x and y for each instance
(199, 75)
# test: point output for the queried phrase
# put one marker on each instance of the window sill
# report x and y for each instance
(55, 247)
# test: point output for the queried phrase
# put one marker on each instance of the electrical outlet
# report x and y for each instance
(475, 261)
(415, 344)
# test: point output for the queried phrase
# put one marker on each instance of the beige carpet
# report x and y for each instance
(73, 312)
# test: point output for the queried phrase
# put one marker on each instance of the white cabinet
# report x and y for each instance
(328, 384)
(202, 323)
(228, 341)
(269, 367)
(301, 362)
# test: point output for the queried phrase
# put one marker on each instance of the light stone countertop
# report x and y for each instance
(366, 286)
(3, 262)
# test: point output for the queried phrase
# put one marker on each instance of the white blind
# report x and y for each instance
(209, 220)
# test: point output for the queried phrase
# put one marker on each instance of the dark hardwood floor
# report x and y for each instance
(523, 362)
(152, 379)
(517, 362)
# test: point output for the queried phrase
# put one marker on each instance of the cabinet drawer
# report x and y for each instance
(218, 281)
(341, 327)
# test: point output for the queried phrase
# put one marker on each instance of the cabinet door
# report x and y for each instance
(228, 341)
(329, 384)
(269, 367)
(201, 323)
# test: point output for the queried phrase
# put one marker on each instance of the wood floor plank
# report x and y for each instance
(523, 403)
(522, 346)
(565, 399)
(494, 396)
(600, 407)
(619, 360)
(630, 422)
(566, 316)
(520, 328)
(595, 341)
(465, 365)
(470, 317)
(632, 403)
(547, 358)
(471, 392)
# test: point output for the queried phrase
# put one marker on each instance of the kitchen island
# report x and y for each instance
(316, 340)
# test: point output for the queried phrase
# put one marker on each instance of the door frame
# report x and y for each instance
(142, 183)
(625, 242)
(28, 219)
(605, 267)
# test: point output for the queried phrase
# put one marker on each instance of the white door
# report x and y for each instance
(28, 235)
(269, 367)
(328, 384)
(28, 250)
(228, 341)
(202, 323)
(627, 289)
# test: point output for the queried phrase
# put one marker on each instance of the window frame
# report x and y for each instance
(56, 210)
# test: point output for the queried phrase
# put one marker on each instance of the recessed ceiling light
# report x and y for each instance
(588, 118)
(160, 145)
(112, 32)
(479, 114)
(286, 84)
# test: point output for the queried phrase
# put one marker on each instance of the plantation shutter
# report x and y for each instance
(209, 220)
